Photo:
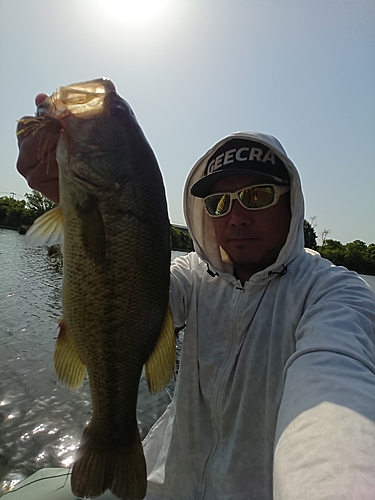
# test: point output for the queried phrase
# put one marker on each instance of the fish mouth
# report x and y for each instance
(83, 99)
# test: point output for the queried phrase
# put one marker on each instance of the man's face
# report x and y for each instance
(251, 238)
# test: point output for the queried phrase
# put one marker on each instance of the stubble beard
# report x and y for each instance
(250, 267)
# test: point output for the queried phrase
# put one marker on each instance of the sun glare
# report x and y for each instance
(135, 12)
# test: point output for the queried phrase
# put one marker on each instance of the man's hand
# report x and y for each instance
(37, 156)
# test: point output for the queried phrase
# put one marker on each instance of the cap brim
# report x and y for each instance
(202, 188)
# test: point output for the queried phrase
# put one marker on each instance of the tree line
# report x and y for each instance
(357, 256)
(17, 213)
(20, 214)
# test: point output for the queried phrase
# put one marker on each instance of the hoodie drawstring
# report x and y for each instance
(280, 273)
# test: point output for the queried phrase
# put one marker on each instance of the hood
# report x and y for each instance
(201, 227)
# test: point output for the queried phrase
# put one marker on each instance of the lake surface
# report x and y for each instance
(41, 421)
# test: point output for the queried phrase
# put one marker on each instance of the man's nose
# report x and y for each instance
(239, 216)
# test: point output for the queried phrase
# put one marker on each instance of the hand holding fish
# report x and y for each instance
(37, 156)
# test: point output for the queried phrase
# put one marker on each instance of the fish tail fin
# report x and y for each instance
(161, 364)
(105, 465)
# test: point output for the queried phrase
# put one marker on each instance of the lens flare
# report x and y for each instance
(135, 12)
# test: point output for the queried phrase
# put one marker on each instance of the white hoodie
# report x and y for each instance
(275, 396)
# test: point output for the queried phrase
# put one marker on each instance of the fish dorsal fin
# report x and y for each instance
(160, 365)
(69, 366)
(46, 230)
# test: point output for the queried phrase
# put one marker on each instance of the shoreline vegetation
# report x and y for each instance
(357, 256)
(19, 215)
(180, 237)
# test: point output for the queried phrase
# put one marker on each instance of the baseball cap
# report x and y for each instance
(237, 157)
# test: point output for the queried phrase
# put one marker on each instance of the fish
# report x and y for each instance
(112, 222)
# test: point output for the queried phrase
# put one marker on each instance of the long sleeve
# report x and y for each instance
(325, 438)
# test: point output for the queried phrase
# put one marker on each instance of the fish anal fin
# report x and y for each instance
(160, 365)
(69, 366)
(46, 230)
(102, 465)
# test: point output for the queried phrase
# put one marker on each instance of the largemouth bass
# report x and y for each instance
(113, 221)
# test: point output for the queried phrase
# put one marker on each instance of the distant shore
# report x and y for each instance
(180, 237)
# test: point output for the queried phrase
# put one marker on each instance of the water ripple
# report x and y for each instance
(41, 421)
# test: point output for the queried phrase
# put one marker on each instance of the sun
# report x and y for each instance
(134, 12)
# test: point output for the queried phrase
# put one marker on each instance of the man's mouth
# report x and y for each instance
(242, 239)
(242, 236)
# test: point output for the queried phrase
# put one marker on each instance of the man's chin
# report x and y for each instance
(245, 255)
(254, 265)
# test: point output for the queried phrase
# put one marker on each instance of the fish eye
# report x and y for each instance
(118, 111)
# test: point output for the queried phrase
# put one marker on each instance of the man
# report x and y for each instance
(276, 392)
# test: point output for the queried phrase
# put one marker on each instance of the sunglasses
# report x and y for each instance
(255, 197)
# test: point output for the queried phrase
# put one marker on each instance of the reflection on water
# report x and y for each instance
(41, 421)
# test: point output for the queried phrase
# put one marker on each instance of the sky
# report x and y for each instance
(197, 70)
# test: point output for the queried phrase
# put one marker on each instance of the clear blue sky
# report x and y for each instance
(196, 70)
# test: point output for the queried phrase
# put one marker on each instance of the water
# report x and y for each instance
(370, 280)
(41, 421)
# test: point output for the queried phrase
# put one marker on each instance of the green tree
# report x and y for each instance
(371, 252)
(356, 247)
(16, 213)
(333, 245)
(309, 235)
(356, 255)
(181, 239)
(334, 251)
(38, 204)
(13, 213)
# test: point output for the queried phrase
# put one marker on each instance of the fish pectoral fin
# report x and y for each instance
(92, 230)
(69, 366)
(46, 230)
(160, 365)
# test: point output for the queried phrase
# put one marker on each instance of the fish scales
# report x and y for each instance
(115, 285)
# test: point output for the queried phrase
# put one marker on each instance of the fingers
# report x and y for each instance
(40, 98)
(37, 156)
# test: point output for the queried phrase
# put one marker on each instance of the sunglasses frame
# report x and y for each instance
(234, 195)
